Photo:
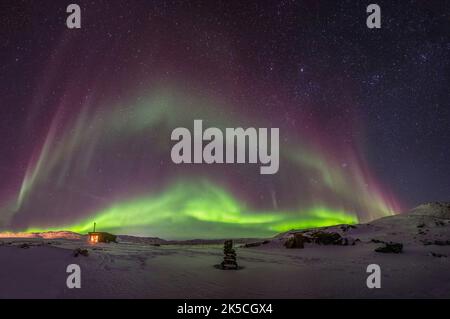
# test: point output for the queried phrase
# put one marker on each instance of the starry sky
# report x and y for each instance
(86, 115)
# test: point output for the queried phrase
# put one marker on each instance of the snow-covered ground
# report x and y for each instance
(137, 268)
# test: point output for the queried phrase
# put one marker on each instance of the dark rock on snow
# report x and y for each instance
(297, 241)
(80, 251)
(391, 247)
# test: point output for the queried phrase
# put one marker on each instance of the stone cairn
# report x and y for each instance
(229, 259)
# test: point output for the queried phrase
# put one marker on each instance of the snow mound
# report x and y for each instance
(434, 209)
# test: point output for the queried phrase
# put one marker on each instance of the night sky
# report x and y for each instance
(86, 115)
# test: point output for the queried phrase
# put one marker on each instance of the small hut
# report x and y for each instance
(101, 237)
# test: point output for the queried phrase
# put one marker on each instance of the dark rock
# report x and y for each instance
(326, 238)
(438, 255)
(248, 245)
(255, 244)
(345, 228)
(24, 246)
(439, 223)
(391, 247)
(296, 241)
(80, 251)
(436, 242)
(349, 241)
(441, 242)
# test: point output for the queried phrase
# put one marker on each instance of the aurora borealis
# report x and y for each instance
(196, 199)
(89, 114)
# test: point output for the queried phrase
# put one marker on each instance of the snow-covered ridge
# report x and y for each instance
(44, 235)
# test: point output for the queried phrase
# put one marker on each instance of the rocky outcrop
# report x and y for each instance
(391, 247)
(326, 238)
(297, 240)
(433, 209)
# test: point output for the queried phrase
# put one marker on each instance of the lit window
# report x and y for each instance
(94, 238)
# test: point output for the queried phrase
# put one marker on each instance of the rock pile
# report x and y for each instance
(229, 259)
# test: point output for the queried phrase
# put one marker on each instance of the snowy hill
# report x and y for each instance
(426, 223)
(434, 209)
(44, 235)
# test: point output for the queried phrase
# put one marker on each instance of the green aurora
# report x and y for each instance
(182, 209)
(320, 191)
